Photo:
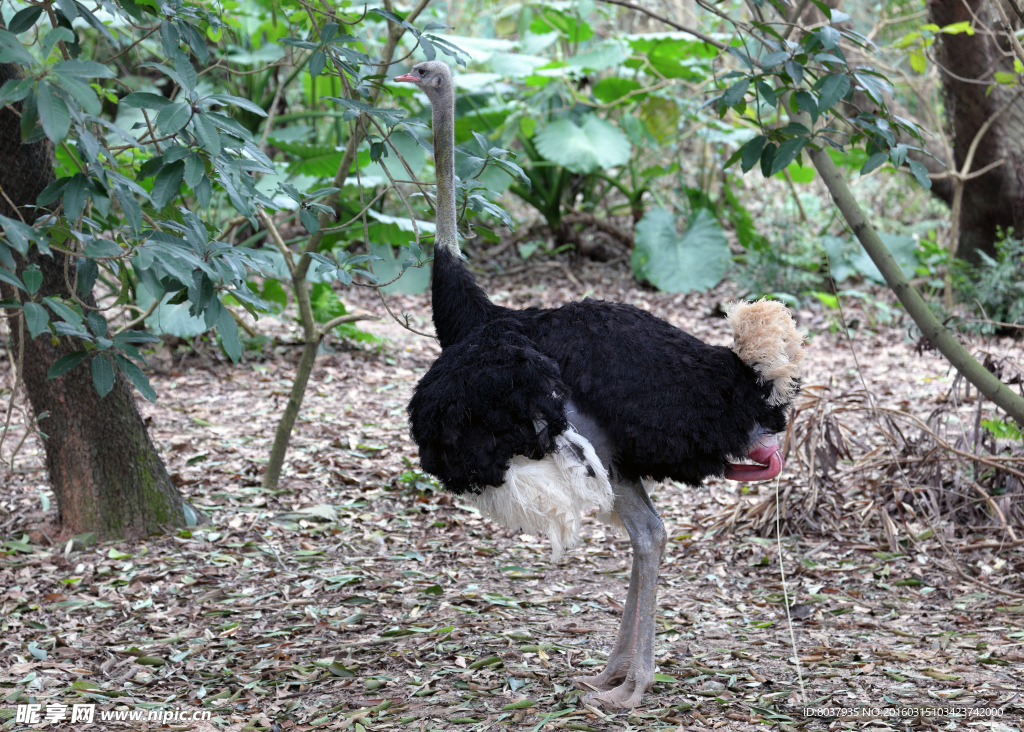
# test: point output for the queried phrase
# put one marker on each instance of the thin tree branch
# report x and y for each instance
(916, 307)
(671, 23)
(1017, 9)
(347, 318)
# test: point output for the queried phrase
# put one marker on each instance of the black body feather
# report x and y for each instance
(672, 405)
(487, 398)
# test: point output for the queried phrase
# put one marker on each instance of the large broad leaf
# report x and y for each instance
(839, 252)
(675, 56)
(695, 261)
(600, 57)
(413, 281)
(228, 329)
(168, 319)
(903, 250)
(597, 145)
(613, 88)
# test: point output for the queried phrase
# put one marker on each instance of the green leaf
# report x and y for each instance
(11, 50)
(170, 39)
(185, 70)
(248, 106)
(207, 134)
(36, 318)
(874, 161)
(771, 60)
(611, 89)
(97, 323)
(735, 93)
(19, 234)
(11, 279)
(228, 329)
(65, 364)
(921, 173)
(76, 193)
(173, 117)
(570, 25)
(83, 69)
(103, 248)
(317, 61)
(70, 10)
(831, 90)
(696, 261)
(102, 375)
(412, 281)
(32, 278)
(964, 26)
(275, 293)
(25, 19)
(68, 314)
(88, 271)
(145, 100)
(674, 58)
(14, 90)
(918, 61)
(829, 37)
(795, 71)
(53, 113)
(167, 183)
(194, 170)
(602, 56)
(310, 220)
(768, 95)
(767, 156)
(752, 153)
(902, 248)
(82, 93)
(135, 375)
(805, 101)
(54, 37)
(597, 145)
(787, 153)
(172, 319)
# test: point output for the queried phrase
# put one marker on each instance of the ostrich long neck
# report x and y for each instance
(443, 113)
(459, 304)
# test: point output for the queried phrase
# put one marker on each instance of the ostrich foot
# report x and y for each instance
(608, 679)
(626, 695)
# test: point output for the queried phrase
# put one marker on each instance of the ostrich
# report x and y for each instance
(538, 414)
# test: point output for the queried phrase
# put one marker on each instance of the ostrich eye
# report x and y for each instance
(419, 71)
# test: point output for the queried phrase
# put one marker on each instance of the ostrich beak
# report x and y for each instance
(407, 77)
(768, 456)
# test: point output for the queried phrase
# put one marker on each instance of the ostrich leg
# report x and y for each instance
(630, 669)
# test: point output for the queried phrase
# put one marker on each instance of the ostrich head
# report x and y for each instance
(433, 77)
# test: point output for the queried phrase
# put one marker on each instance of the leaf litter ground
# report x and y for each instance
(359, 596)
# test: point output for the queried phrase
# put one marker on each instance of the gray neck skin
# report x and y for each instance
(443, 111)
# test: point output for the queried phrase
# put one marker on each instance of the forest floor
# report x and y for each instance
(359, 596)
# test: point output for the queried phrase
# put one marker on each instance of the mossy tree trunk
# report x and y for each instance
(103, 468)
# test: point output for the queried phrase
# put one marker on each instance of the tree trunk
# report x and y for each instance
(967, 64)
(104, 470)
